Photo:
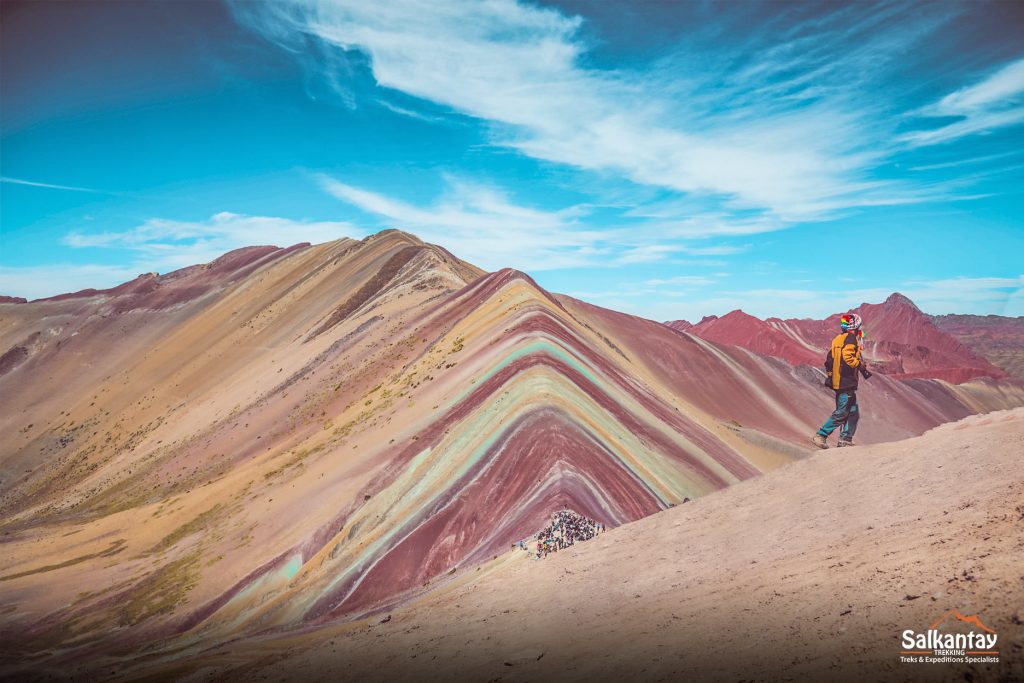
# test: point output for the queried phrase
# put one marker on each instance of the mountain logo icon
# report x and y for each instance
(973, 620)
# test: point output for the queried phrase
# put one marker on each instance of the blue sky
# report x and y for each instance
(667, 159)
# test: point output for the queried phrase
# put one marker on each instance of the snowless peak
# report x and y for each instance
(681, 325)
(897, 299)
(394, 234)
(739, 314)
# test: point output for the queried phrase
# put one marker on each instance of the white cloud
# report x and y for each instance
(979, 295)
(36, 282)
(795, 149)
(49, 186)
(644, 298)
(163, 244)
(1005, 84)
(996, 295)
(975, 122)
(718, 250)
(994, 102)
(482, 225)
(682, 281)
(965, 161)
(777, 294)
(648, 253)
(160, 245)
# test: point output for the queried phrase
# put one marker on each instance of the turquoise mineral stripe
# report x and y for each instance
(288, 571)
(293, 566)
(543, 345)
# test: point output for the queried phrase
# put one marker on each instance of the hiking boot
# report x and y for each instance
(820, 441)
(843, 443)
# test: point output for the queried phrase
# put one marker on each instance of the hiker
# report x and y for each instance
(843, 364)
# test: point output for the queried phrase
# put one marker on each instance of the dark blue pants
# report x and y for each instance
(845, 415)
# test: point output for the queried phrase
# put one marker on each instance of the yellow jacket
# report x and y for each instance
(843, 361)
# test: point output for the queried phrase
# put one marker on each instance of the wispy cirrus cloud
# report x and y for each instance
(967, 161)
(666, 291)
(658, 251)
(777, 126)
(484, 225)
(996, 101)
(682, 281)
(50, 186)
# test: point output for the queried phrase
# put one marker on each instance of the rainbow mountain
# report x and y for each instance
(285, 438)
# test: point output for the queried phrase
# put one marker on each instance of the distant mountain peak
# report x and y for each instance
(897, 299)
(393, 234)
(679, 325)
(739, 314)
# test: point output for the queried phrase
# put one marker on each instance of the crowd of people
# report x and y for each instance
(566, 527)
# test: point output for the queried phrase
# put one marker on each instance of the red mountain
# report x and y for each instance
(901, 341)
(742, 329)
(997, 339)
(681, 325)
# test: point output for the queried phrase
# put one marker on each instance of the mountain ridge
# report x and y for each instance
(900, 340)
(998, 339)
